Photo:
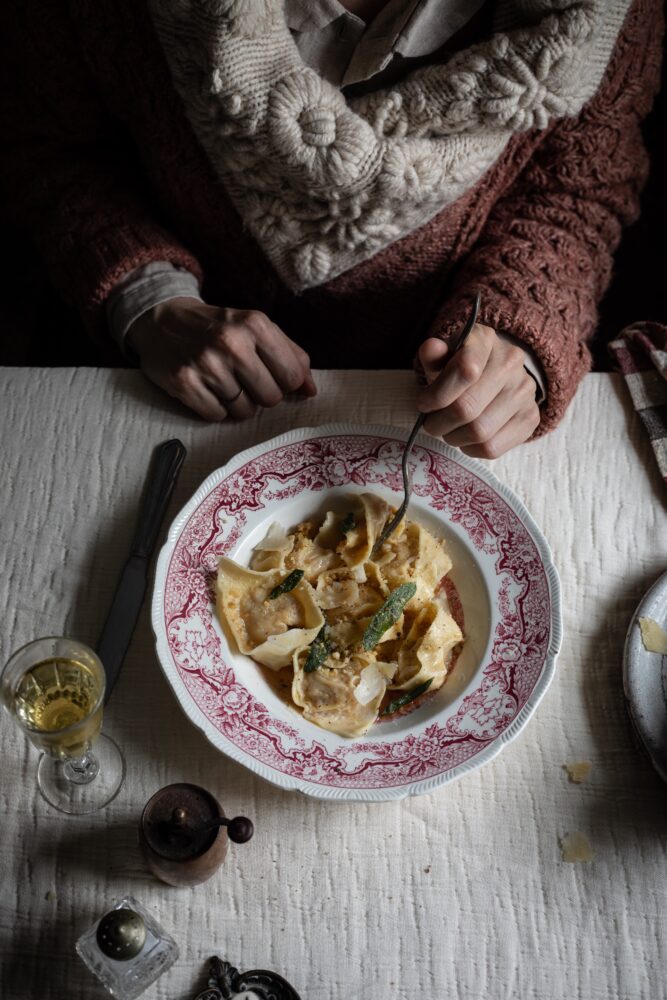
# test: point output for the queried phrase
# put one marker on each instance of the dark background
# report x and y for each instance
(39, 329)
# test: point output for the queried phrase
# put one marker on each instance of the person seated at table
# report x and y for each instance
(234, 190)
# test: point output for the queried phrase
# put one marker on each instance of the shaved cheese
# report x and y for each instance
(371, 684)
(575, 847)
(653, 636)
(578, 771)
(275, 540)
(276, 652)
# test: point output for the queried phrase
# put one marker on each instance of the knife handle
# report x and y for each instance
(169, 458)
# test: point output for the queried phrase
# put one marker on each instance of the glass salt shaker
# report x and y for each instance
(127, 949)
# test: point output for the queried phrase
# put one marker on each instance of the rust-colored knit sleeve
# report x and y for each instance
(70, 175)
(544, 257)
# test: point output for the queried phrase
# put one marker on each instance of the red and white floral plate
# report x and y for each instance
(503, 576)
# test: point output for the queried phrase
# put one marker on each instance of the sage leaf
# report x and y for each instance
(388, 614)
(289, 583)
(318, 651)
(406, 698)
(348, 523)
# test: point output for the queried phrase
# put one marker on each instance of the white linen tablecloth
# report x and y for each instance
(461, 893)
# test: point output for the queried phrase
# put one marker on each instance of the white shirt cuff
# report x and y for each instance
(141, 289)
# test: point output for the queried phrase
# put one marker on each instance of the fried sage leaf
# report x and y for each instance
(318, 651)
(348, 523)
(406, 697)
(289, 583)
(388, 614)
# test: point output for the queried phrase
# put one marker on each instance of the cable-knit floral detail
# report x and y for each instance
(411, 172)
(282, 130)
(311, 262)
(310, 124)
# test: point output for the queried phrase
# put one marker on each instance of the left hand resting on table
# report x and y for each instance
(483, 400)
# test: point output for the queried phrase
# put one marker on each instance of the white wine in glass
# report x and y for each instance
(54, 688)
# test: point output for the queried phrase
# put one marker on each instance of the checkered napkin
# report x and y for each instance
(641, 353)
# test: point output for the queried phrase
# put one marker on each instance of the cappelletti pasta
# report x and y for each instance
(353, 625)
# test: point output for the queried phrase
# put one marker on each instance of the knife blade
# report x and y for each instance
(131, 588)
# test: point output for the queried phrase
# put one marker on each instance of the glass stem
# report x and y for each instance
(81, 770)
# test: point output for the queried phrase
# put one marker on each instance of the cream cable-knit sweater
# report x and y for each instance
(324, 183)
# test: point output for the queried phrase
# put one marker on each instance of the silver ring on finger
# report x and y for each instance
(234, 398)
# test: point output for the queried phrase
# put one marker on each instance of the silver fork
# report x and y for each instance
(407, 485)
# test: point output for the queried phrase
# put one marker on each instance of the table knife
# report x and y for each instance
(131, 588)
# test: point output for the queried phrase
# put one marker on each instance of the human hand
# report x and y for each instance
(483, 400)
(219, 362)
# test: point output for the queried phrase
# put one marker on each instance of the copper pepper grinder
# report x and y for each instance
(184, 834)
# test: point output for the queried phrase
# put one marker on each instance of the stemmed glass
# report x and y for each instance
(54, 689)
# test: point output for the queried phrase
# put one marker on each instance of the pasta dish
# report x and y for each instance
(356, 633)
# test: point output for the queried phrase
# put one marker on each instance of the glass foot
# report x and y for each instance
(75, 798)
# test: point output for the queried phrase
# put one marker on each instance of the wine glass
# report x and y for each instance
(54, 689)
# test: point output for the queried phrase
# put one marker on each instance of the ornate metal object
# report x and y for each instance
(227, 983)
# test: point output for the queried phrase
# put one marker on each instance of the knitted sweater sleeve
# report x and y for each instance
(71, 177)
(543, 258)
